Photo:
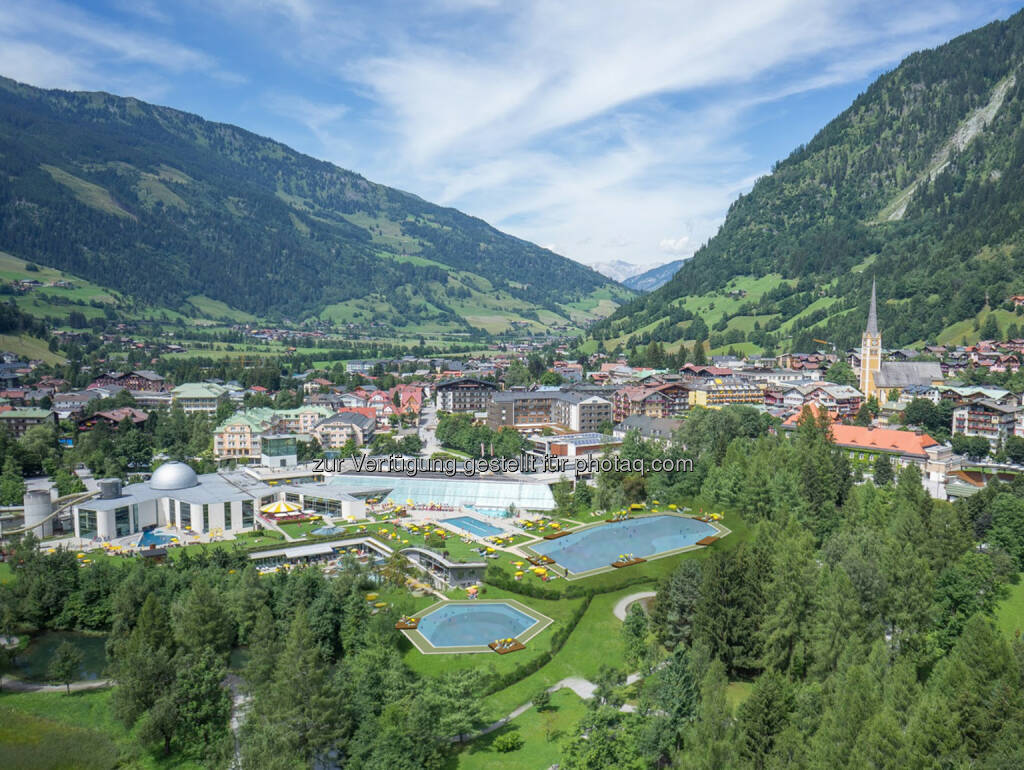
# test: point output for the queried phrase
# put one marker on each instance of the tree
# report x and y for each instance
(542, 699)
(634, 635)
(203, 704)
(675, 605)
(12, 485)
(882, 470)
(65, 664)
(763, 716)
(990, 329)
(841, 373)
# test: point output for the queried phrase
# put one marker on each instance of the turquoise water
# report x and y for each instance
(33, 663)
(600, 546)
(468, 625)
(154, 538)
(475, 526)
(327, 531)
(497, 513)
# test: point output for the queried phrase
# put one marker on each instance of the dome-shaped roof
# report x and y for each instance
(173, 475)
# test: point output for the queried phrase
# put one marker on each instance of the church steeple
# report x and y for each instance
(870, 349)
(873, 313)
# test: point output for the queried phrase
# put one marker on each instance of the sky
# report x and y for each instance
(601, 130)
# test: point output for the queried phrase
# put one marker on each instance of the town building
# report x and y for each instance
(113, 418)
(465, 394)
(534, 410)
(335, 431)
(142, 379)
(17, 420)
(195, 397)
(716, 393)
(175, 496)
(992, 420)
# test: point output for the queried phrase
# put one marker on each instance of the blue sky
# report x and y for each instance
(602, 130)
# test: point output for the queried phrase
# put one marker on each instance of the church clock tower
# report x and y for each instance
(870, 350)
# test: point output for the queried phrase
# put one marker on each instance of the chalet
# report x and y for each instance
(113, 418)
(142, 379)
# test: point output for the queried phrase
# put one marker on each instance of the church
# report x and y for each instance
(885, 380)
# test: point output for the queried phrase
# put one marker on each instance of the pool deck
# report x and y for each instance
(423, 645)
(720, 529)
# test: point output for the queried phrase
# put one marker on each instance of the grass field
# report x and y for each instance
(54, 731)
(29, 347)
(544, 734)
(1010, 612)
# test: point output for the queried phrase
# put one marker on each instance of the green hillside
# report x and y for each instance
(917, 183)
(199, 217)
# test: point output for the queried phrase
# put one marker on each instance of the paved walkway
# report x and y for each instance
(622, 607)
(10, 684)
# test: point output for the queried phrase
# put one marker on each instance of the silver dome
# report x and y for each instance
(173, 475)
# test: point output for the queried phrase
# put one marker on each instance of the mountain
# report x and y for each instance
(618, 269)
(653, 278)
(918, 183)
(174, 210)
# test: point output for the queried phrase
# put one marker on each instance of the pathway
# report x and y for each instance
(11, 684)
(622, 607)
(584, 688)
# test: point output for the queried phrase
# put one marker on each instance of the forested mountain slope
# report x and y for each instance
(918, 183)
(164, 206)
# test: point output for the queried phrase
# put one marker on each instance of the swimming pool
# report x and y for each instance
(474, 624)
(600, 546)
(477, 527)
(154, 538)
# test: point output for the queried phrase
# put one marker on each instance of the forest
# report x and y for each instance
(858, 616)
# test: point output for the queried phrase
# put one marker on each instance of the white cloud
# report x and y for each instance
(678, 245)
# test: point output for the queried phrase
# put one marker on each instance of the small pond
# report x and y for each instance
(32, 663)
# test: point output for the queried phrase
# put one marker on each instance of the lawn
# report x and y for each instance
(595, 642)
(51, 731)
(301, 528)
(1010, 612)
(6, 575)
(544, 733)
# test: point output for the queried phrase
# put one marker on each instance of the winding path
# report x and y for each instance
(584, 688)
(622, 606)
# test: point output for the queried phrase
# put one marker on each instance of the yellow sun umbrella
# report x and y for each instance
(281, 506)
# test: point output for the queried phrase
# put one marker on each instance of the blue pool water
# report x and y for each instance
(466, 625)
(327, 531)
(154, 538)
(600, 546)
(497, 513)
(475, 526)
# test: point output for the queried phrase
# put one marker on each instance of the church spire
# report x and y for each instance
(873, 313)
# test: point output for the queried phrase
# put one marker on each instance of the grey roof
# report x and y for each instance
(898, 374)
(352, 418)
(873, 312)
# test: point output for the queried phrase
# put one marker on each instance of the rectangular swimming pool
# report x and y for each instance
(477, 527)
(643, 537)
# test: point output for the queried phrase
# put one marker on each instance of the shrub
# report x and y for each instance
(508, 742)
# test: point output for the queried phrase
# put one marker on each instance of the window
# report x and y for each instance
(135, 517)
(247, 514)
(205, 524)
(122, 521)
(184, 514)
(86, 523)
